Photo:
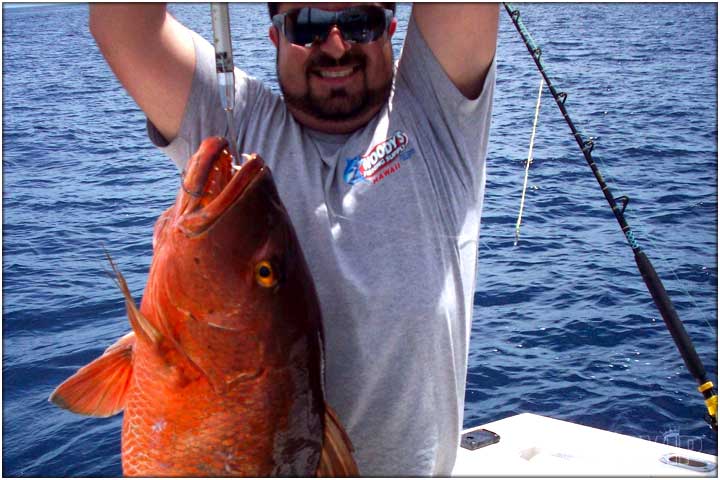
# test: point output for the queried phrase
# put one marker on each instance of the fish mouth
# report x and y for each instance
(212, 185)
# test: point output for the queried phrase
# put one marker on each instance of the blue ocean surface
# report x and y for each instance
(563, 324)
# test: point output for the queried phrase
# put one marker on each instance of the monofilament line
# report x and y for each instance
(529, 161)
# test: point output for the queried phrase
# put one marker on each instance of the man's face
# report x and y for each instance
(334, 86)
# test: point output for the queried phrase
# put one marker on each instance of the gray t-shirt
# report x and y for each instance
(388, 218)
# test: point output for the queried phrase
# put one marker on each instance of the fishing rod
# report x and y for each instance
(650, 276)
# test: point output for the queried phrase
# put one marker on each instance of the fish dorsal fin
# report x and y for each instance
(98, 389)
(140, 325)
(165, 346)
(337, 458)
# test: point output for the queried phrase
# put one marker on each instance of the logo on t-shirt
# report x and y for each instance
(382, 160)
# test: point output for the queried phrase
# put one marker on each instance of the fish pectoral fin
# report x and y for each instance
(140, 325)
(337, 459)
(98, 389)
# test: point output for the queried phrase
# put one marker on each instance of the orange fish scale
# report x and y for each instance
(195, 431)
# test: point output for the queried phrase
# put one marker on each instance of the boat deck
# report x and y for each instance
(533, 445)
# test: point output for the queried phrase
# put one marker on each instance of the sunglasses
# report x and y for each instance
(305, 26)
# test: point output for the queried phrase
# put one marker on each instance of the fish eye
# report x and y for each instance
(265, 275)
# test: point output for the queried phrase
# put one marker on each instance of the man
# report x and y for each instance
(382, 172)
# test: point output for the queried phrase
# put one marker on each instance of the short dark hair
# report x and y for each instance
(273, 7)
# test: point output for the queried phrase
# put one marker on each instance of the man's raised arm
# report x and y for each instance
(462, 36)
(152, 55)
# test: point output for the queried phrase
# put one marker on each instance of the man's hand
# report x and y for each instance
(463, 37)
(151, 54)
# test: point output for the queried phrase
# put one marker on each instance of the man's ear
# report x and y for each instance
(274, 35)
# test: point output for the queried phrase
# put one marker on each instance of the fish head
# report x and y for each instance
(228, 273)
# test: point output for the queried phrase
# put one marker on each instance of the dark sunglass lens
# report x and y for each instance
(362, 25)
(307, 25)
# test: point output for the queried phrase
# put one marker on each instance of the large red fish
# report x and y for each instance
(222, 373)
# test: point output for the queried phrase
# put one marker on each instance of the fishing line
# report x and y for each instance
(681, 283)
(661, 258)
(225, 70)
(650, 276)
(529, 161)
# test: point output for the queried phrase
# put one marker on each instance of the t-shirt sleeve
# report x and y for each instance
(450, 116)
(204, 115)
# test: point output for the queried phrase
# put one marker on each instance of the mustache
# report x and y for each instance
(322, 59)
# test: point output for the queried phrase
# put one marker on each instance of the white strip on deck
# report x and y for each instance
(532, 445)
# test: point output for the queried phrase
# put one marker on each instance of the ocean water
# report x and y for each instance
(563, 325)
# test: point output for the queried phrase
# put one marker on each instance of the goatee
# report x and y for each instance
(340, 104)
